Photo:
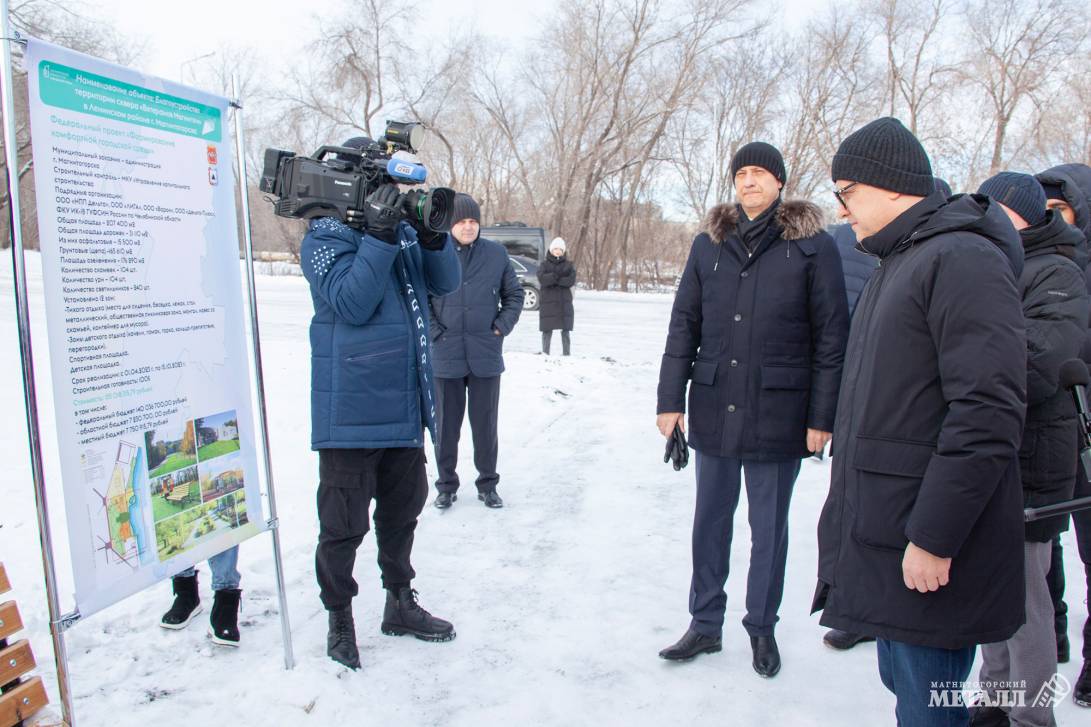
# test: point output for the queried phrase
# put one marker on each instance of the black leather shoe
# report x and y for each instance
(403, 615)
(341, 639)
(690, 645)
(842, 640)
(1081, 692)
(1063, 654)
(490, 498)
(444, 500)
(766, 655)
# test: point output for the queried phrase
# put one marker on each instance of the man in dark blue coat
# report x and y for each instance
(371, 399)
(468, 329)
(759, 326)
(921, 537)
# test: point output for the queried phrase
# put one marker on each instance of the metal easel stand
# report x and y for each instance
(274, 521)
(56, 627)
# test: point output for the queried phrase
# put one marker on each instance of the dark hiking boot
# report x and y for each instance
(444, 500)
(843, 640)
(187, 603)
(766, 655)
(1081, 691)
(490, 498)
(691, 645)
(988, 717)
(404, 615)
(341, 639)
(1063, 649)
(223, 622)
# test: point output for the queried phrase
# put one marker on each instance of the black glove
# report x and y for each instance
(428, 239)
(677, 450)
(381, 213)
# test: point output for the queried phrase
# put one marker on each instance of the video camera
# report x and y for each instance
(329, 186)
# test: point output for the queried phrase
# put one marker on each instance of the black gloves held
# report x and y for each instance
(677, 449)
(381, 213)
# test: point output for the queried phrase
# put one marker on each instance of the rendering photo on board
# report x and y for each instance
(175, 493)
(221, 476)
(170, 447)
(217, 435)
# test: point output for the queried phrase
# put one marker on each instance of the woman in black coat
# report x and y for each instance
(557, 276)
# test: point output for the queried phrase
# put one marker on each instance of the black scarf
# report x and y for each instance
(752, 231)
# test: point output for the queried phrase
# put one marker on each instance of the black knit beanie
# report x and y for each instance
(886, 155)
(1021, 193)
(465, 208)
(356, 142)
(759, 154)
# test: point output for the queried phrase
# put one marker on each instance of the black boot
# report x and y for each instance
(223, 623)
(766, 655)
(690, 645)
(341, 639)
(187, 603)
(842, 640)
(490, 498)
(404, 615)
(1081, 691)
(444, 500)
(988, 717)
(1063, 651)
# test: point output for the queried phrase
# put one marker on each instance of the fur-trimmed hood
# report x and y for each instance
(797, 219)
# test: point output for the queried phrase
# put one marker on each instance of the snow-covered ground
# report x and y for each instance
(561, 600)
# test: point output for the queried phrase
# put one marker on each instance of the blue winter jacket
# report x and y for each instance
(858, 265)
(490, 299)
(371, 373)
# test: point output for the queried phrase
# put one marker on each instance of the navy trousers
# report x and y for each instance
(484, 400)
(769, 493)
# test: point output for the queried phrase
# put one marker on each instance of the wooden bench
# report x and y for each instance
(20, 697)
(179, 493)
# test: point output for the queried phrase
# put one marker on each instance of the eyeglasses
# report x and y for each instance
(840, 193)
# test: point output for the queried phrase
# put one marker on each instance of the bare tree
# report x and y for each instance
(1014, 45)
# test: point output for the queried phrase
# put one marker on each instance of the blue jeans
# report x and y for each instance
(224, 574)
(913, 672)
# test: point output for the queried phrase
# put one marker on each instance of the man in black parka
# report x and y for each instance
(921, 536)
(468, 329)
(1068, 191)
(1055, 305)
(759, 326)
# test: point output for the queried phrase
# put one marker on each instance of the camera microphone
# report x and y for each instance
(1074, 376)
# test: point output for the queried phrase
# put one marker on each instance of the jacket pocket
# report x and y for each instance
(370, 386)
(782, 405)
(704, 419)
(888, 475)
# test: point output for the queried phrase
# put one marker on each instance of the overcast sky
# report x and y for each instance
(276, 29)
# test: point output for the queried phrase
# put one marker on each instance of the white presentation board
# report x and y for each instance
(145, 318)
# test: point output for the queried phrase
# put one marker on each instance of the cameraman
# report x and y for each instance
(371, 398)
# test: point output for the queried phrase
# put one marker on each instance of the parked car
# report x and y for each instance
(527, 272)
(527, 242)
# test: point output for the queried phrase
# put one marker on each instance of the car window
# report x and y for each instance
(519, 267)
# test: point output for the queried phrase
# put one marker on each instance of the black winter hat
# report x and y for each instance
(356, 142)
(1021, 193)
(465, 208)
(759, 154)
(942, 186)
(884, 154)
